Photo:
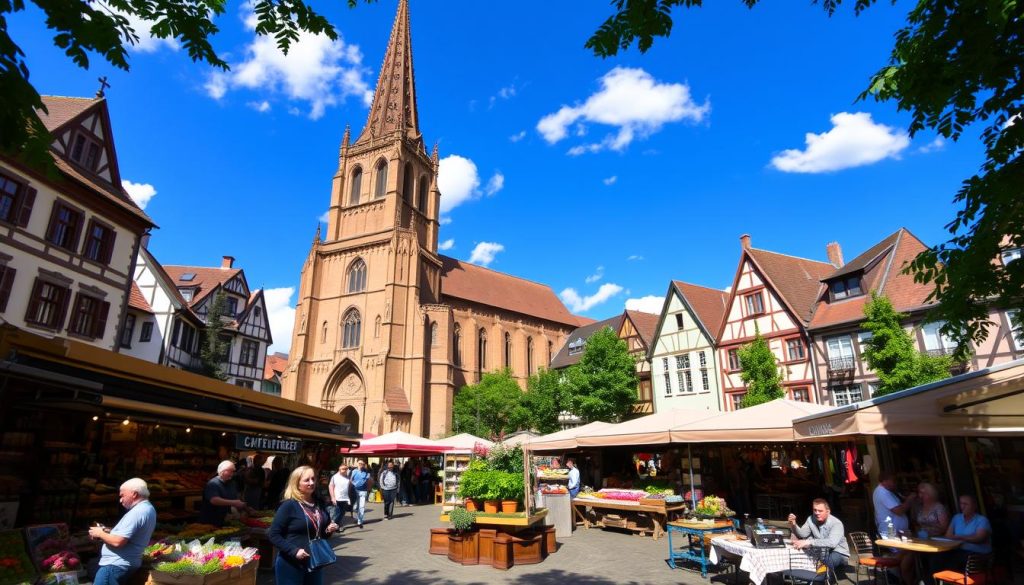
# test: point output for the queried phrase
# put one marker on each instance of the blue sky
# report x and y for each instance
(603, 178)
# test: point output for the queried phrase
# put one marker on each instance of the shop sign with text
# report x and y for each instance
(257, 443)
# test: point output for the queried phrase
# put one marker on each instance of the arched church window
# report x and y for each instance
(551, 353)
(529, 355)
(356, 186)
(357, 276)
(508, 350)
(457, 345)
(323, 333)
(422, 203)
(352, 326)
(433, 334)
(381, 188)
(376, 327)
(407, 185)
(481, 351)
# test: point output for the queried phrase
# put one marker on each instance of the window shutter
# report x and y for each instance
(77, 234)
(6, 281)
(62, 306)
(53, 222)
(25, 212)
(33, 301)
(100, 323)
(109, 237)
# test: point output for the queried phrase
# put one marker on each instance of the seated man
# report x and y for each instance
(825, 530)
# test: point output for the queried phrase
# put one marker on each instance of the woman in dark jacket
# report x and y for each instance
(299, 518)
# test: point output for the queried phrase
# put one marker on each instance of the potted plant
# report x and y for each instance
(491, 492)
(462, 540)
(473, 485)
(510, 487)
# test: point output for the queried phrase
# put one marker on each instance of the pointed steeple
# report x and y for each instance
(394, 101)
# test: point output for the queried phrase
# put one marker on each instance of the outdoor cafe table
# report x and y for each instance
(920, 545)
(692, 548)
(759, 562)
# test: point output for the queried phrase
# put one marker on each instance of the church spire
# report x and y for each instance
(394, 101)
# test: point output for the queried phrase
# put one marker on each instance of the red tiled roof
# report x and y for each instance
(646, 325)
(61, 110)
(796, 280)
(885, 276)
(205, 281)
(137, 301)
(581, 320)
(275, 365)
(709, 304)
(495, 289)
(395, 400)
(162, 275)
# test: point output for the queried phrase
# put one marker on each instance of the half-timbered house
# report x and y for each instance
(683, 357)
(637, 330)
(245, 320)
(772, 294)
(837, 330)
(68, 240)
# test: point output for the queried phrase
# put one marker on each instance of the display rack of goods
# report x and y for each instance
(454, 466)
(15, 566)
(205, 564)
(50, 547)
(204, 532)
(555, 474)
(616, 495)
(260, 519)
(549, 488)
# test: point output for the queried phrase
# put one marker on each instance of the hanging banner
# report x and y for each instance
(258, 443)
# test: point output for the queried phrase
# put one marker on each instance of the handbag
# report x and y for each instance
(321, 553)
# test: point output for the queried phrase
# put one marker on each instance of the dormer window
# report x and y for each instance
(232, 306)
(188, 277)
(845, 288)
(85, 152)
(576, 347)
(186, 293)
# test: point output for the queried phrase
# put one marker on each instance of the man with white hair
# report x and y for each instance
(220, 494)
(124, 544)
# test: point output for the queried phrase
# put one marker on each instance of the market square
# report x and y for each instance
(232, 353)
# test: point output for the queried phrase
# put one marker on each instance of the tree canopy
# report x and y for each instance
(759, 370)
(602, 386)
(891, 353)
(956, 64)
(215, 347)
(491, 407)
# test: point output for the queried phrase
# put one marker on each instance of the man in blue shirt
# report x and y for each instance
(124, 544)
(574, 478)
(362, 481)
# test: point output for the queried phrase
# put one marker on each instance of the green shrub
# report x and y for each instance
(461, 519)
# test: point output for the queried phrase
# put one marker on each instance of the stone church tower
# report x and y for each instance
(375, 337)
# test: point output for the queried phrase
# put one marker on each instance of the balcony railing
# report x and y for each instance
(940, 352)
(841, 364)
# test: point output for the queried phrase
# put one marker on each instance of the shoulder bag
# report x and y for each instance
(321, 553)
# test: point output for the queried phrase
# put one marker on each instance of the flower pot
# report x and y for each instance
(471, 505)
(491, 506)
(509, 506)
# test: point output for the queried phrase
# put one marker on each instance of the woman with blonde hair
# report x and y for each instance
(299, 519)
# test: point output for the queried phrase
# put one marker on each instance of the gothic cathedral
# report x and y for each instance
(386, 329)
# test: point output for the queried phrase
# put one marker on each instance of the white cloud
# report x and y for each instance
(629, 99)
(1012, 120)
(281, 315)
(324, 216)
(260, 107)
(140, 193)
(648, 304)
(445, 220)
(610, 180)
(635, 257)
(578, 304)
(447, 244)
(854, 140)
(596, 276)
(495, 183)
(147, 43)
(937, 144)
(518, 137)
(484, 253)
(316, 70)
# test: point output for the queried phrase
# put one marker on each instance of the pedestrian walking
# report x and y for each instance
(339, 489)
(363, 482)
(300, 519)
(389, 481)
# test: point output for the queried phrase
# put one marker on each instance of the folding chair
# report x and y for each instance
(862, 556)
(978, 571)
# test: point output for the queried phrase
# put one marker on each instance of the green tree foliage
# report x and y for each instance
(490, 407)
(891, 353)
(956, 64)
(214, 351)
(545, 399)
(103, 28)
(603, 385)
(760, 372)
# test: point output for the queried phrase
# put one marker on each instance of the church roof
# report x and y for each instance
(395, 400)
(476, 284)
(394, 101)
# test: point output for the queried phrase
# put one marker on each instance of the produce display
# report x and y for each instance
(195, 558)
(713, 506)
(547, 488)
(15, 566)
(552, 473)
(615, 494)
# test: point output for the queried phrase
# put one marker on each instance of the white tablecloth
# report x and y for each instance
(758, 562)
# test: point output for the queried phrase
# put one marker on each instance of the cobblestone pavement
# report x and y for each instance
(395, 551)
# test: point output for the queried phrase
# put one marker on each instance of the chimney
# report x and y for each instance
(745, 241)
(227, 262)
(835, 254)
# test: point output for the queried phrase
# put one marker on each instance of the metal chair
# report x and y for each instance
(821, 573)
(862, 556)
(977, 571)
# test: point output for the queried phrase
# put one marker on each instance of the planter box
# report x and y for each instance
(438, 541)
(464, 548)
(502, 552)
(486, 545)
(244, 575)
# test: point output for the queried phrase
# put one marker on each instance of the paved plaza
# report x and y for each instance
(395, 551)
